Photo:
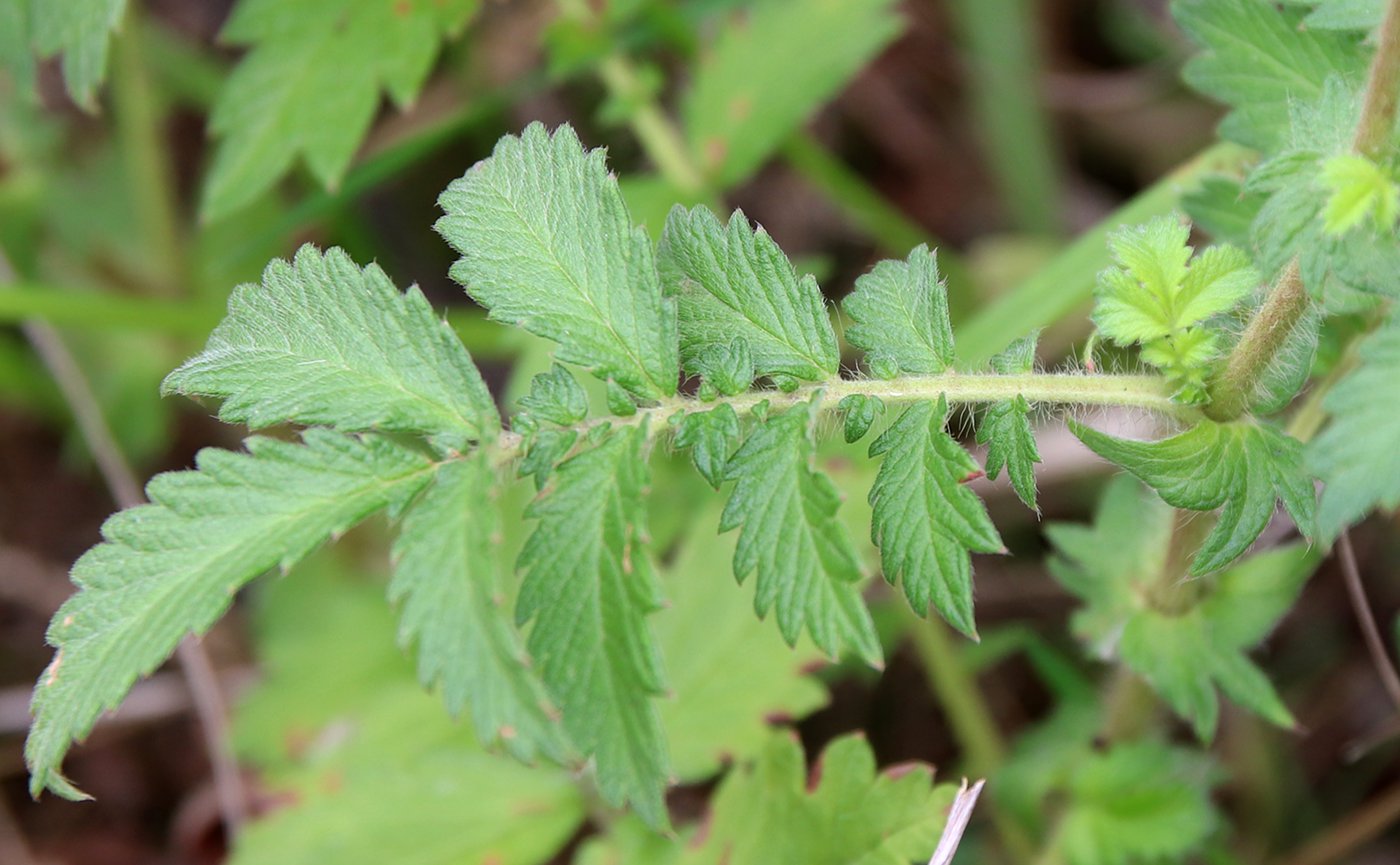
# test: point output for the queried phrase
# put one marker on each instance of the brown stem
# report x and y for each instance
(1382, 90)
(1360, 826)
(1232, 387)
(1375, 644)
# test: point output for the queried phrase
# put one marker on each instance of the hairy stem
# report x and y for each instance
(1148, 392)
(1382, 90)
(1231, 389)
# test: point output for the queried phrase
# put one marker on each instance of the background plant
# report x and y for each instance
(400, 419)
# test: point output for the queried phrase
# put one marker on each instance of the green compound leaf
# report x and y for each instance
(445, 577)
(806, 564)
(322, 342)
(761, 79)
(1240, 467)
(1185, 657)
(81, 31)
(1357, 456)
(1139, 802)
(367, 767)
(1358, 190)
(733, 282)
(1154, 297)
(171, 567)
(1006, 427)
(310, 86)
(925, 521)
(1259, 60)
(900, 314)
(589, 587)
(710, 436)
(1342, 270)
(731, 674)
(1117, 567)
(1111, 564)
(768, 812)
(547, 245)
(460, 804)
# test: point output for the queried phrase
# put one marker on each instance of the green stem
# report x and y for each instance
(1004, 67)
(1148, 392)
(970, 718)
(98, 311)
(659, 137)
(143, 149)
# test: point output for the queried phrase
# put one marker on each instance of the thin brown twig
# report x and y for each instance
(1357, 828)
(1375, 644)
(117, 474)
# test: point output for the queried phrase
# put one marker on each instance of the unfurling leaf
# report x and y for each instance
(1153, 297)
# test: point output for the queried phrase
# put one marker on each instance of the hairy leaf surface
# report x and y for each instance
(171, 567)
(1258, 59)
(733, 282)
(1239, 467)
(589, 587)
(310, 85)
(925, 519)
(806, 566)
(547, 245)
(1357, 455)
(900, 314)
(453, 608)
(322, 342)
